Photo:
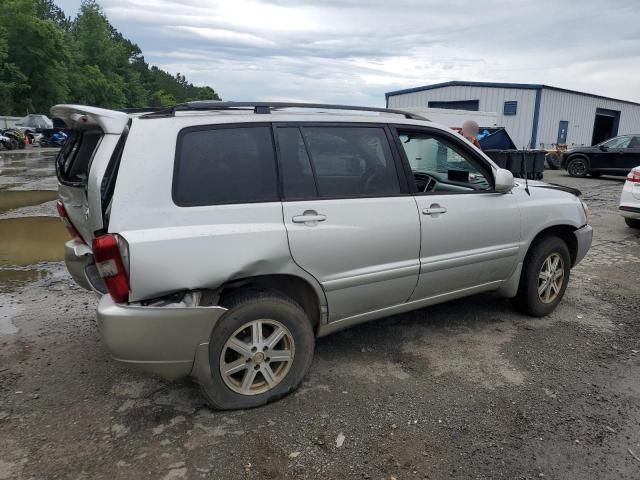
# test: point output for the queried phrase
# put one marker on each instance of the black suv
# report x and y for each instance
(616, 156)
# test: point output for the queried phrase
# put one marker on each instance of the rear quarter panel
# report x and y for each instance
(174, 248)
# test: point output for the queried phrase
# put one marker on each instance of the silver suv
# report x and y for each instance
(225, 237)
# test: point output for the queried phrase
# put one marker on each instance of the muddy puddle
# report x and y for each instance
(10, 200)
(29, 240)
(11, 280)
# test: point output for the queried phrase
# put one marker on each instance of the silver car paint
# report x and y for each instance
(162, 340)
(175, 249)
(476, 241)
(364, 254)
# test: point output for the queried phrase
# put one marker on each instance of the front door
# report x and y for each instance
(612, 156)
(470, 233)
(349, 221)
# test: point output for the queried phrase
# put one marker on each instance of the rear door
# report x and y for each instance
(83, 161)
(349, 219)
(632, 157)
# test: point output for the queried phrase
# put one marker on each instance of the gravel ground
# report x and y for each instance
(467, 389)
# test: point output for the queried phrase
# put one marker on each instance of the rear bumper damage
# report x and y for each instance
(159, 339)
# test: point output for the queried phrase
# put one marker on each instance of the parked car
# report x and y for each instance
(225, 237)
(616, 156)
(630, 199)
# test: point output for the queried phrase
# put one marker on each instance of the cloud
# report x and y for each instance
(353, 51)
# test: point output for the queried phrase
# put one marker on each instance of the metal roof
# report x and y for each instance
(519, 86)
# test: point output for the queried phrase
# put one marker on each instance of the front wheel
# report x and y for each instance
(545, 276)
(260, 351)
(632, 222)
(578, 167)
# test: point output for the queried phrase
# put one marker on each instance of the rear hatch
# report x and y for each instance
(86, 166)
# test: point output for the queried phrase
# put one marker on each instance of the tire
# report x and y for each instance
(578, 167)
(272, 311)
(632, 222)
(528, 299)
(14, 144)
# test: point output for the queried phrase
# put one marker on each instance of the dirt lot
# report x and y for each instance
(468, 389)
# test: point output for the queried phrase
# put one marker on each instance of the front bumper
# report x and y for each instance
(158, 339)
(584, 237)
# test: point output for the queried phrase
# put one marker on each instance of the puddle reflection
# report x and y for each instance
(29, 240)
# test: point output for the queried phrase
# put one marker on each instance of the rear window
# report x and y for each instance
(224, 165)
(74, 160)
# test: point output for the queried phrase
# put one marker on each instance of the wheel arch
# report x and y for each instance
(564, 232)
(294, 287)
(584, 156)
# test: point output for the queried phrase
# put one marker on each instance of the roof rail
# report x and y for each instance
(267, 107)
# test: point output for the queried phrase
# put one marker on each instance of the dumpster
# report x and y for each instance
(520, 161)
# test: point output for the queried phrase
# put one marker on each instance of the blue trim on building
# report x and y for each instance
(536, 117)
(521, 86)
(457, 83)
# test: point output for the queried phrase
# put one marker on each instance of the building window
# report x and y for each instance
(471, 105)
(510, 108)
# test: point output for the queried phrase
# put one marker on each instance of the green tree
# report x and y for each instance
(48, 58)
(14, 84)
(36, 48)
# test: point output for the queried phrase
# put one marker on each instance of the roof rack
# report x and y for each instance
(267, 107)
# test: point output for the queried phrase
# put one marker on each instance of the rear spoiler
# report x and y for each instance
(80, 116)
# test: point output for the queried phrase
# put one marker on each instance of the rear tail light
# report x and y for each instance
(67, 222)
(108, 258)
(634, 176)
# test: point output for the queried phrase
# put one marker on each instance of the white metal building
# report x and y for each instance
(535, 116)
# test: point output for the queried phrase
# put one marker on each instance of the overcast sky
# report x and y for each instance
(349, 51)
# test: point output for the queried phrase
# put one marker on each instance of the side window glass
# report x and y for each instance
(351, 161)
(297, 176)
(225, 165)
(439, 166)
(618, 142)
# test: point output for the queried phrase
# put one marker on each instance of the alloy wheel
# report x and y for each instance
(578, 168)
(551, 278)
(257, 357)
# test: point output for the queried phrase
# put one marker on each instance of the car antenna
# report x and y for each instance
(524, 168)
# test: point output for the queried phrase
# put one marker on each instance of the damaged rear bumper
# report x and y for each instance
(159, 339)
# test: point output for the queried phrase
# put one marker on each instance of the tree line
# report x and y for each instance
(48, 58)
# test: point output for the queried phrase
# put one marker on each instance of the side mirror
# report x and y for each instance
(604, 148)
(503, 181)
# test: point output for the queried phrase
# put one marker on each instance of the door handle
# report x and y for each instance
(434, 209)
(309, 216)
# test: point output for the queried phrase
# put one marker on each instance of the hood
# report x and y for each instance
(582, 150)
(539, 184)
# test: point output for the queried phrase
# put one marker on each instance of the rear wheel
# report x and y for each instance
(632, 222)
(260, 351)
(578, 167)
(545, 276)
